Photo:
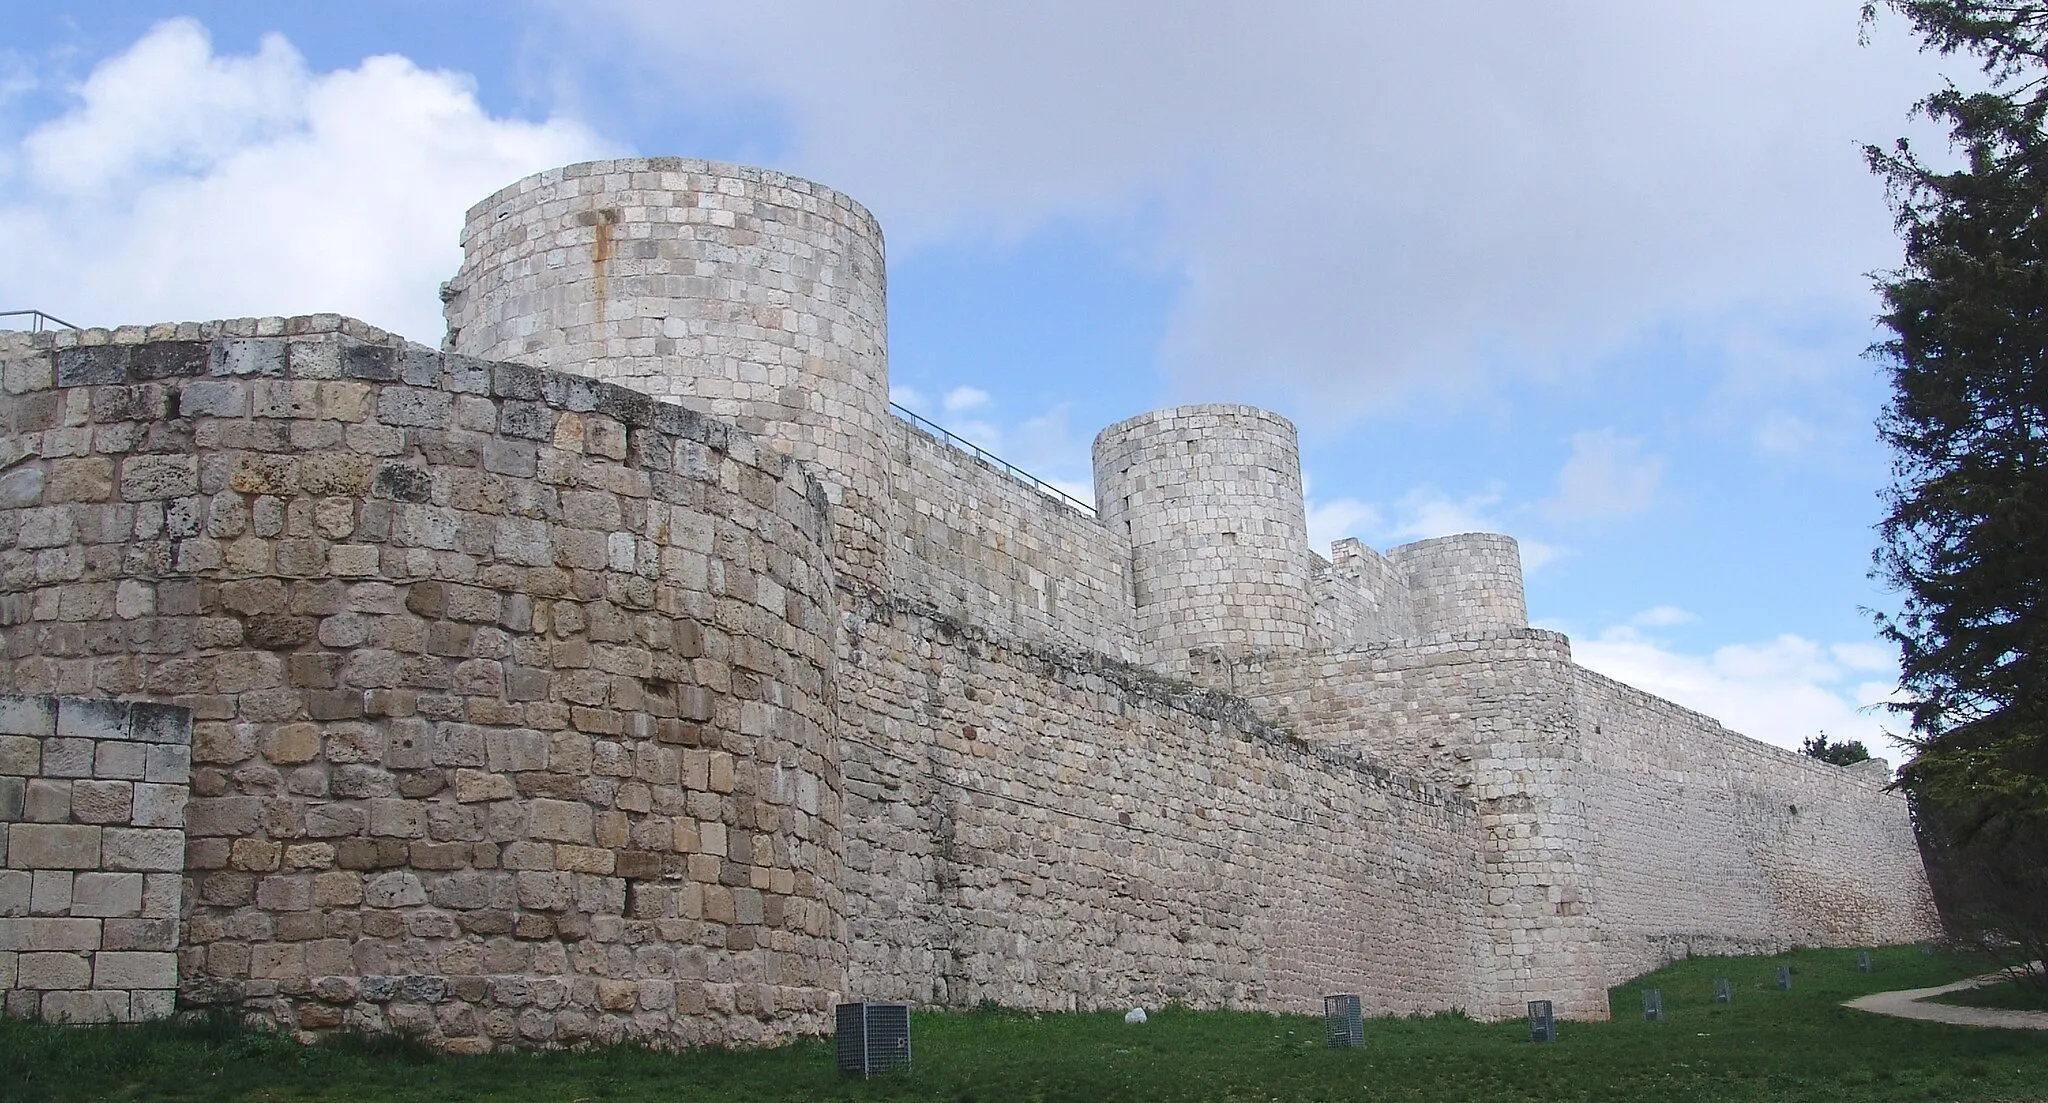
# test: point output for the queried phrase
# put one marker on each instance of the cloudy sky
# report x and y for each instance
(1595, 274)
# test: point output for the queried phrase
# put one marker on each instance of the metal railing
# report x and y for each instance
(990, 458)
(38, 321)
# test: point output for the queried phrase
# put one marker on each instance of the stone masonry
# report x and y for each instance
(92, 829)
(623, 670)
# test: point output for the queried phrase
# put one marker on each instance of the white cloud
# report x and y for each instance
(220, 186)
(1425, 513)
(1331, 521)
(1661, 616)
(959, 400)
(910, 398)
(1606, 476)
(1782, 691)
(1359, 200)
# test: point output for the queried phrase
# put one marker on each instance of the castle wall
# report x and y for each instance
(1706, 841)
(513, 690)
(1650, 831)
(747, 294)
(92, 857)
(988, 549)
(1488, 717)
(1039, 828)
(1361, 598)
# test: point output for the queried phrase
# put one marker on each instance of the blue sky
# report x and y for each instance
(1592, 274)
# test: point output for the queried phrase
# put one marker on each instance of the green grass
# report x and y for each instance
(2010, 995)
(1767, 1045)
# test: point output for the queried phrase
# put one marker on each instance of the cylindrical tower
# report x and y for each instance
(1463, 585)
(1210, 497)
(752, 296)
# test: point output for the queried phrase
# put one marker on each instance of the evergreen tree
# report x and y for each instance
(1965, 535)
(1836, 753)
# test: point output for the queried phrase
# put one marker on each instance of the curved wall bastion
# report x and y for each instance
(648, 680)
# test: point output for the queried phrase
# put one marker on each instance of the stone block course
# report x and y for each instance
(88, 934)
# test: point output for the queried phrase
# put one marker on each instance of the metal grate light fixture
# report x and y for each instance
(1653, 1005)
(873, 1037)
(1542, 1022)
(1343, 1022)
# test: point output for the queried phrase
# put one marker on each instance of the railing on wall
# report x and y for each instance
(37, 320)
(990, 458)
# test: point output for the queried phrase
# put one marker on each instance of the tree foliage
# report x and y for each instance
(1965, 536)
(1835, 752)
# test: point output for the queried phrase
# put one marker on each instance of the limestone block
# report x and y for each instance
(106, 895)
(16, 887)
(39, 934)
(85, 1007)
(161, 894)
(290, 744)
(68, 757)
(561, 821)
(20, 755)
(159, 934)
(54, 846)
(51, 893)
(122, 761)
(157, 805)
(476, 785)
(102, 801)
(148, 850)
(146, 1004)
(49, 971)
(154, 477)
(13, 801)
(134, 969)
(395, 889)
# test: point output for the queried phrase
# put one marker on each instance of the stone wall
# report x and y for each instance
(989, 549)
(1039, 827)
(1706, 841)
(1362, 598)
(92, 841)
(513, 691)
(1621, 830)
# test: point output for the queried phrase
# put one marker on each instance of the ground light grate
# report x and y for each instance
(1542, 1022)
(1343, 1022)
(873, 1037)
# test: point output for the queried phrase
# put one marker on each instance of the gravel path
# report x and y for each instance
(1906, 1005)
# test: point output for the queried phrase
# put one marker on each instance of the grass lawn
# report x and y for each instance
(1766, 1045)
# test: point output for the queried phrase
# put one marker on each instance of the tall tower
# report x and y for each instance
(1464, 585)
(1210, 497)
(752, 296)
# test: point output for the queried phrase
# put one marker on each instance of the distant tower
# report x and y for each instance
(1210, 497)
(1464, 585)
(756, 297)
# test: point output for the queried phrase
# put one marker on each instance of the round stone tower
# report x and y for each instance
(1464, 585)
(749, 295)
(1210, 497)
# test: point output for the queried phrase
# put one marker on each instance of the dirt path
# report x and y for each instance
(1906, 1005)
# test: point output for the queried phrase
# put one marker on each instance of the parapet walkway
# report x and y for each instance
(1906, 1004)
